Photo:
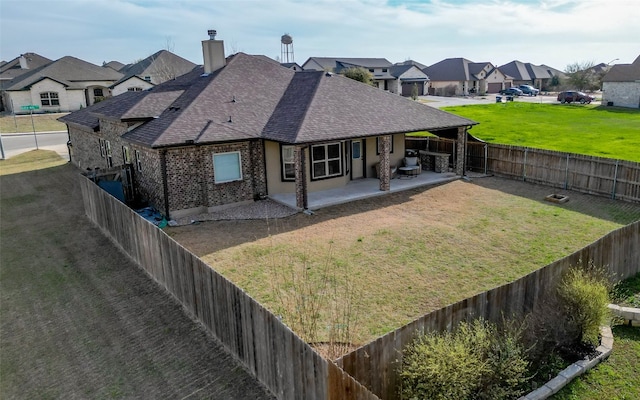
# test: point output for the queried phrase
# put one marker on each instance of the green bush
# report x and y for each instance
(507, 362)
(584, 296)
(478, 360)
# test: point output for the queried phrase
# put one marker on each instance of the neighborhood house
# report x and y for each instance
(241, 128)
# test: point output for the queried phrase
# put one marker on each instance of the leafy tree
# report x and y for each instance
(582, 75)
(414, 91)
(359, 74)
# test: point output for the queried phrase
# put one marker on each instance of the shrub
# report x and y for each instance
(478, 360)
(359, 74)
(584, 295)
(507, 362)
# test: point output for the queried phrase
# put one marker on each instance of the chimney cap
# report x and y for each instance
(212, 34)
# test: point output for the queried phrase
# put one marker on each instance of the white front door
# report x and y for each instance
(357, 159)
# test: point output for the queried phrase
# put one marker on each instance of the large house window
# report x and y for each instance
(288, 164)
(379, 145)
(97, 92)
(227, 167)
(49, 99)
(134, 89)
(326, 161)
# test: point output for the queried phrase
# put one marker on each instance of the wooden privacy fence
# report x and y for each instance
(283, 362)
(617, 179)
(375, 365)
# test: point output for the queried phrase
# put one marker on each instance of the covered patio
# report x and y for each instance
(364, 188)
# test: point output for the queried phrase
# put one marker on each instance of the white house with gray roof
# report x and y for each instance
(66, 84)
(621, 85)
(459, 77)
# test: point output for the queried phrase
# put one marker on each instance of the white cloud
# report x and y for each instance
(553, 32)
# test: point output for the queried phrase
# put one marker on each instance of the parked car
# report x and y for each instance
(528, 89)
(570, 96)
(512, 91)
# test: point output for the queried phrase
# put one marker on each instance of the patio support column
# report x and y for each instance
(385, 170)
(461, 155)
(301, 178)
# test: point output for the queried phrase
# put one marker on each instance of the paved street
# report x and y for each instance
(17, 143)
(439, 101)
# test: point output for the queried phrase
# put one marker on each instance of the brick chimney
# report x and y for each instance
(213, 53)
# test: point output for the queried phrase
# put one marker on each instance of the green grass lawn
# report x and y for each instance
(22, 123)
(619, 376)
(583, 129)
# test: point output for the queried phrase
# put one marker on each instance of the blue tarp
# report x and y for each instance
(152, 215)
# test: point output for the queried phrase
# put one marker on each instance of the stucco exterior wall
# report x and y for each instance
(441, 88)
(373, 158)
(274, 174)
(15, 99)
(69, 99)
(130, 83)
(622, 94)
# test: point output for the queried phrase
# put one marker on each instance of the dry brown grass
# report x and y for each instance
(405, 254)
(22, 123)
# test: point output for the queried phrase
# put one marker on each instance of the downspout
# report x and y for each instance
(303, 173)
(165, 182)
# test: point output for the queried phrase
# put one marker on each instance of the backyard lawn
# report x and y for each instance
(372, 266)
(610, 132)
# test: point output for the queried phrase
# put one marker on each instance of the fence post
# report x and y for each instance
(615, 180)
(486, 158)
(524, 166)
(566, 174)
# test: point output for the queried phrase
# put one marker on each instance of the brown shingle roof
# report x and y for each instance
(624, 72)
(254, 98)
(66, 70)
(162, 65)
(12, 69)
(341, 108)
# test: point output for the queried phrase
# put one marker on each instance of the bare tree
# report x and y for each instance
(582, 75)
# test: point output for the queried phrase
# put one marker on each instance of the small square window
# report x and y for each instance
(227, 167)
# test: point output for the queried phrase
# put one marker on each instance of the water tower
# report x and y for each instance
(286, 49)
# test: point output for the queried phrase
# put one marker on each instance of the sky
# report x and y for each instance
(552, 32)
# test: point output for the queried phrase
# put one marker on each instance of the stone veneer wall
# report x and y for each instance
(622, 94)
(190, 174)
(149, 178)
(86, 144)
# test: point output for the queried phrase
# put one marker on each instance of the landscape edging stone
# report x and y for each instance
(574, 370)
